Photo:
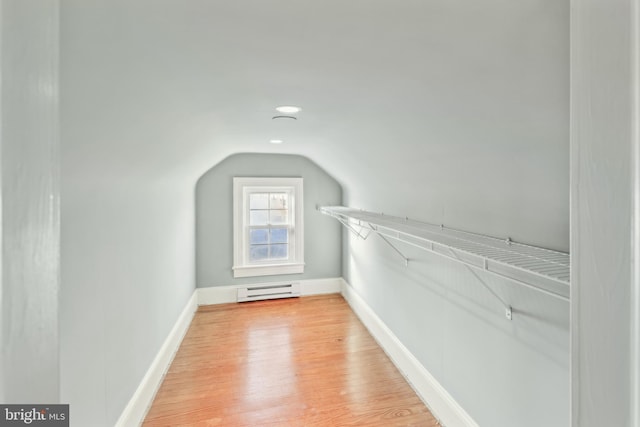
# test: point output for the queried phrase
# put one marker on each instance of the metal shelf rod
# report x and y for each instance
(500, 257)
(551, 293)
(538, 252)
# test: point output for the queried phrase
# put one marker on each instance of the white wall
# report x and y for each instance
(475, 136)
(127, 237)
(482, 143)
(604, 156)
(127, 272)
(30, 228)
(214, 218)
(448, 112)
(494, 159)
(501, 372)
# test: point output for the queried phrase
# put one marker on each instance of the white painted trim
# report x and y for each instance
(217, 294)
(442, 405)
(242, 188)
(267, 270)
(136, 409)
(321, 286)
(635, 226)
(227, 294)
(600, 386)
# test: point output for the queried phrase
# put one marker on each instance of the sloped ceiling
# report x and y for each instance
(432, 95)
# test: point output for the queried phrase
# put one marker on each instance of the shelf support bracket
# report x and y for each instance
(406, 260)
(507, 308)
(351, 228)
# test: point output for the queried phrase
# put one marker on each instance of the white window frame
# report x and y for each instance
(242, 188)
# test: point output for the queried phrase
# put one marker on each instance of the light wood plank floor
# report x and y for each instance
(291, 362)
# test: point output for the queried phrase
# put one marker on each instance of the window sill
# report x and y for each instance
(267, 270)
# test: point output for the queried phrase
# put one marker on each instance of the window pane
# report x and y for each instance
(279, 235)
(258, 217)
(260, 235)
(279, 201)
(258, 253)
(278, 217)
(259, 201)
(265, 240)
(278, 251)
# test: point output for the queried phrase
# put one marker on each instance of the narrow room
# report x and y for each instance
(305, 213)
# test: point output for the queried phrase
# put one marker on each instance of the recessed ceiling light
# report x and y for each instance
(275, 141)
(288, 109)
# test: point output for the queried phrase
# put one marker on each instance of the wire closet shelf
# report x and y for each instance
(544, 270)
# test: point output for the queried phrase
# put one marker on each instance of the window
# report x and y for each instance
(267, 226)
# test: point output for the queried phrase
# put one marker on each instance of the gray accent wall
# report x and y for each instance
(214, 218)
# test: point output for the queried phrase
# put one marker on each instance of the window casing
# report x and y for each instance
(268, 226)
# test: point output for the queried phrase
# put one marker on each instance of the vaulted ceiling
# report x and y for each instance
(436, 95)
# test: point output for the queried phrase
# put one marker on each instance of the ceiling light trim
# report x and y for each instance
(288, 109)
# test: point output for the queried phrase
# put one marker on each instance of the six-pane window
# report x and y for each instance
(268, 226)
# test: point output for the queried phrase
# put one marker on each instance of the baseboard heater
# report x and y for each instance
(270, 291)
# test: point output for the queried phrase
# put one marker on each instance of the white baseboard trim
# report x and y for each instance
(136, 409)
(227, 294)
(442, 405)
(321, 286)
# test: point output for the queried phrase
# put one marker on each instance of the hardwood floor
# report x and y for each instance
(291, 362)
